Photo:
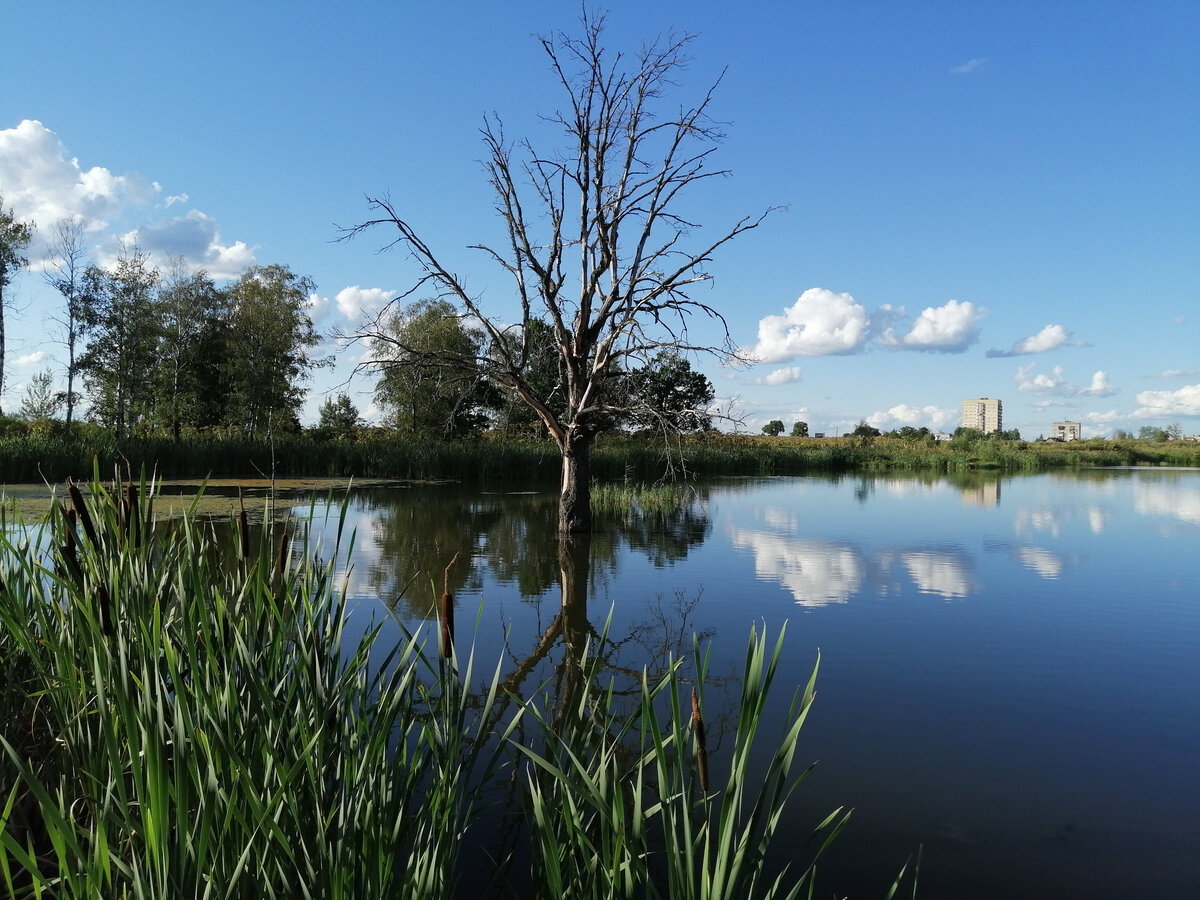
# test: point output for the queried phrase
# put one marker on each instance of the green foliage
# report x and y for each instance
(120, 317)
(862, 429)
(40, 400)
(1152, 433)
(192, 383)
(668, 395)
(774, 428)
(270, 336)
(340, 415)
(800, 429)
(14, 238)
(431, 384)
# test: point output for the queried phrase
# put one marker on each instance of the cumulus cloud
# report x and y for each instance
(1099, 387)
(196, 238)
(30, 359)
(41, 182)
(1055, 383)
(44, 183)
(935, 418)
(1160, 404)
(819, 323)
(951, 328)
(1049, 338)
(971, 65)
(788, 375)
(351, 303)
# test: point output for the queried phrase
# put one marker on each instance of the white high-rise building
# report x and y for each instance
(984, 414)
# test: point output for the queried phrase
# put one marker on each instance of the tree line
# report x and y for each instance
(149, 351)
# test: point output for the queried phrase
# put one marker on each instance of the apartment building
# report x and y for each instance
(1067, 431)
(985, 414)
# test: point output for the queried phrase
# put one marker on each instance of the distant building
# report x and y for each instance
(1067, 431)
(984, 414)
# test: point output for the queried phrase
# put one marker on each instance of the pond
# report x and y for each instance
(1008, 666)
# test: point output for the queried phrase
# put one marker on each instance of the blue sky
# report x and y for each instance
(987, 199)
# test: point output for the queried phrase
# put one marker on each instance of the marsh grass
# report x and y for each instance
(177, 724)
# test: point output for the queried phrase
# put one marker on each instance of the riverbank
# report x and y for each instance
(51, 455)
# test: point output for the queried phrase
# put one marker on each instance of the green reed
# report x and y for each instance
(176, 725)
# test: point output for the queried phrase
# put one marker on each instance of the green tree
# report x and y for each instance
(1152, 433)
(534, 350)
(338, 415)
(598, 241)
(65, 273)
(1174, 431)
(800, 429)
(862, 429)
(668, 395)
(40, 400)
(122, 322)
(430, 380)
(774, 428)
(270, 337)
(14, 238)
(964, 435)
(192, 349)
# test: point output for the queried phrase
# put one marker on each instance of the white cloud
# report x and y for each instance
(196, 238)
(30, 359)
(353, 302)
(1157, 404)
(1178, 373)
(940, 329)
(971, 65)
(935, 418)
(788, 375)
(1057, 385)
(1100, 386)
(819, 323)
(42, 183)
(1049, 338)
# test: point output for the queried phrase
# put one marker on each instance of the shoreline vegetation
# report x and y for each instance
(46, 452)
(180, 723)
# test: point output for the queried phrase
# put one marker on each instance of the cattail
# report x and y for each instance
(281, 556)
(701, 750)
(68, 547)
(132, 525)
(104, 606)
(447, 625)
(81, 510)
(448, 611)
(244, 529)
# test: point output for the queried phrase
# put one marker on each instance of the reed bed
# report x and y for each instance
(29, 454)
(176, 725)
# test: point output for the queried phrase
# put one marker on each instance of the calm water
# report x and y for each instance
(1009, 671)
(1009, 667)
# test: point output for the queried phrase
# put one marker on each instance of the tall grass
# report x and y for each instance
(178, 727)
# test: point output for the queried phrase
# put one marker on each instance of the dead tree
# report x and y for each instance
(597, 245)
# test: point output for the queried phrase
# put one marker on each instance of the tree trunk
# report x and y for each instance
(575, 500)
(575, 570)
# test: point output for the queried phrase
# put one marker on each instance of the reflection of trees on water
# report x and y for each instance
(514, 538)
(416, 531)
